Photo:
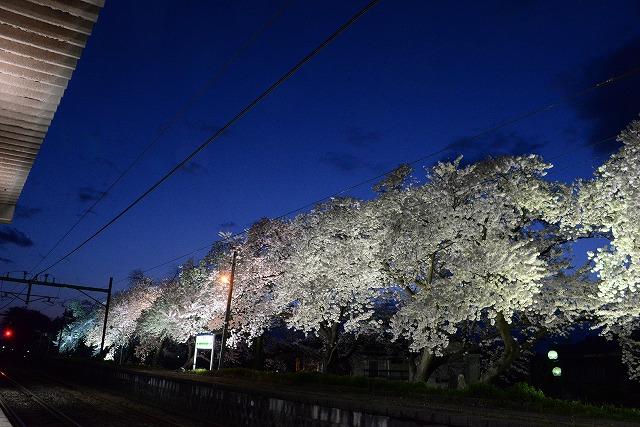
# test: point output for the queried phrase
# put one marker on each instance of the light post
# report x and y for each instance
(227, 314)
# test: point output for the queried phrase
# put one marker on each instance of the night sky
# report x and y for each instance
(409, 78)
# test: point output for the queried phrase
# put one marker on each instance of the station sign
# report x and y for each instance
(205, 341)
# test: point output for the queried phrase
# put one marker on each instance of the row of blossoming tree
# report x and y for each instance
(476, 258)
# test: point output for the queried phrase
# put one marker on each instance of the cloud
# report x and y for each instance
(494, 144)
(228, 224)
(358, 136)
(89, 194)
(5, 260)
(202, 126)
(346, 162)
(26, 212)
(192, 168)
(10, 235)
(103, 161)
(608, 109)
(85, 212)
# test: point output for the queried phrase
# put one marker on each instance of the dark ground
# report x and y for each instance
(85, 405)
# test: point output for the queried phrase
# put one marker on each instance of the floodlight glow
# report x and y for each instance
(552, 355)
(557, 371)
(224, 278)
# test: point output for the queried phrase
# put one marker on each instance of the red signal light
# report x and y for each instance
(8, 333)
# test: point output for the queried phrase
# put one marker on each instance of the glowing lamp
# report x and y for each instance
(557, 371)
(8, 333)
(552, 355)
(224, 278)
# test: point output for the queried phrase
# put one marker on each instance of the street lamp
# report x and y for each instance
(552, 355)
(227, 279)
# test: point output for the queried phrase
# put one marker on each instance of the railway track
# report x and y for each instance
(32, 399)
(24, 408)
(135, 417)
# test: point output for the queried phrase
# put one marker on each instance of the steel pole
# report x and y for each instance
(228, 312)
(26, 302)
(213, 352)
(106, 316)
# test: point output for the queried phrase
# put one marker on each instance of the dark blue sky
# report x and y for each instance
(409, 78)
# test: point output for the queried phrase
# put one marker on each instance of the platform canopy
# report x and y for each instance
(40, 44)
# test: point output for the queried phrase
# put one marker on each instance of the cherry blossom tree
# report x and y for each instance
(460, 251)
(185, 306)
(609, 205)
(84, 319)
(474, 258)
(258, 266)
(332, 278)
(124, 312)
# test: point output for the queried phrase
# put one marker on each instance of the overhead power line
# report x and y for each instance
(505, 123)
(426, 157)
(337, 194)
(162, 130)
(607, 82)
(224, 128)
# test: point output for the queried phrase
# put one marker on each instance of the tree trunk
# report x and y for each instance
(190, 353)
(422, 365)
(156, 357)
(509, 355)
(330, 357)
(412, 367)
(258, 353)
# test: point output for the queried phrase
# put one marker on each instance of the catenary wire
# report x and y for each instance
(210, 243)
(607, 82)
(223, 129)
(447, 148)
(162, 130)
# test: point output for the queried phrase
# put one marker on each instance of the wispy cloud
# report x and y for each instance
(89, 194)
(494, 144)
(360, 137)
(25, 212)
(345, 162)
(104, 162)
(13, 236)
(203, 126)
(193, 168)
(609, 109)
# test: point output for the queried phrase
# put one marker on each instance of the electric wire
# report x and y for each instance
(250, 106)
(337, 194)
(171, 122)
(11, 302)
(445, 149)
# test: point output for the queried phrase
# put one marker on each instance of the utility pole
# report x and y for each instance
(228, 312)
(106, 315)
(81, 288)
(26, 302)
(64, 323)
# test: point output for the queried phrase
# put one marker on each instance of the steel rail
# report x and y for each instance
(53, 411)
(11, 415)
